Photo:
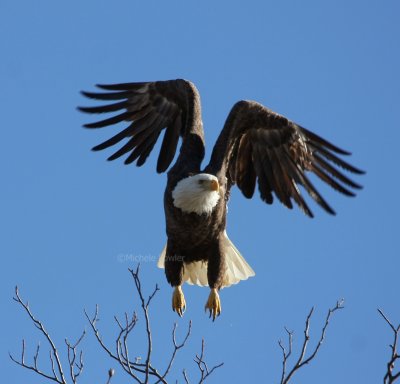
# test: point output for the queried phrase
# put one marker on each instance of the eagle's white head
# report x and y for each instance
(198, 194)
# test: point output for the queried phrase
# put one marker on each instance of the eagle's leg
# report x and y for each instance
(215, 273)
(174, 273)
(213, 304)
(178, 301)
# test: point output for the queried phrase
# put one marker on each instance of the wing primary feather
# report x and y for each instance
(144, 123)
(306, 183)
(271, 166)
(105, 108)
(115, 139)
(328, 180)
(169, 144)
(298, 198)
(334, 172)
(293, 172)
(142, 145)
(110, 121)
(146, 136)
(145, 151)
(264, 176)
(281, 176)
(320, 141)
(107, 95)
(135, 128)
(245, 174)
(125, 86)
(140, 111)
(124, 149)
(136, 140)
(341, 163)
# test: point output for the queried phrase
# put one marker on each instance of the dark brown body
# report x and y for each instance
(193, 237)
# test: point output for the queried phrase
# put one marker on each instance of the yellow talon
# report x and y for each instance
(213, 304)
(178, 301)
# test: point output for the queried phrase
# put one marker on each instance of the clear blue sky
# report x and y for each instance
(67, 215)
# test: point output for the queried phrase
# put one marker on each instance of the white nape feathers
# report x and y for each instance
(198, 194)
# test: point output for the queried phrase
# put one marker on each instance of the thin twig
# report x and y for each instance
(122, 351)
(185, 377)
(75, 369)
(58, 376)
(391, 377)
(124, 364)
(176, 347)
(301, 361)
(202, 365)
(145, 308)
(286, 355)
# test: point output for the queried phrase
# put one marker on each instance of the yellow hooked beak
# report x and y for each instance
(214, 185)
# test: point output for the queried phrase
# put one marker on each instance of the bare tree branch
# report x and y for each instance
(75, 368)
(143, 372)
(286, 355)
(128, 366)
(176, 347)
(140, 372)
(145, 308)
(391, 377)
(185, 377)
(205, 372)
(57, 374)
(301, 361)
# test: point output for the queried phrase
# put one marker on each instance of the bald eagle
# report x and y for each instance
(255, 146)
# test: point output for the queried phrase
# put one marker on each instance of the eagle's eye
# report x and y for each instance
(201, 181)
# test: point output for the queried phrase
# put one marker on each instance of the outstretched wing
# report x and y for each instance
(149, 107)
(257, 144)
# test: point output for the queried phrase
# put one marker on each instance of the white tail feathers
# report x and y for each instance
(236, 267)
